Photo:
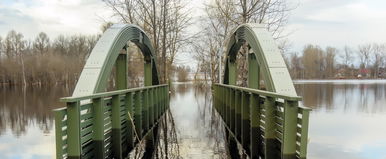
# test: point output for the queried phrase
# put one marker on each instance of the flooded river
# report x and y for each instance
(348, 120)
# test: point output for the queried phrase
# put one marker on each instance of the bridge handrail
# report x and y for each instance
(277, 117)
(106, 94)
(264, 93)
(111, 124)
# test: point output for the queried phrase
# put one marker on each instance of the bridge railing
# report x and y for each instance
(268, 125)
(109, 124)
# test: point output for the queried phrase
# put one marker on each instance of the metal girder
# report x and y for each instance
(268, 56)
(97, 69)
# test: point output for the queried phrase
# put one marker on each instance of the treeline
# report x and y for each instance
(365, 61)
(43, 61)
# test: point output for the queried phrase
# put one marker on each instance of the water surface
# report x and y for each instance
(348, 120)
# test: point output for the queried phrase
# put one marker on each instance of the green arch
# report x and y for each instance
(103, 57)
(266, 55)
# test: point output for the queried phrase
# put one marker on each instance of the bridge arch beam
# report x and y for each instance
(265, 56)
(104, 55)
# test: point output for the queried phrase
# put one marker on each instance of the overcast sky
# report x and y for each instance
(323, 22)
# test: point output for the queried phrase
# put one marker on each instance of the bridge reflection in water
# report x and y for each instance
(115, 124)
(200, 130)
(350, 108)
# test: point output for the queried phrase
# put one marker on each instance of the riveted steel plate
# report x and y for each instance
(268, 55)
(97, 69)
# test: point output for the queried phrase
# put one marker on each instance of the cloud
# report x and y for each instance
(338, 23)
(53, 17)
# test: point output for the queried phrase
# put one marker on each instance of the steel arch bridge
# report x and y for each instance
(99, 124)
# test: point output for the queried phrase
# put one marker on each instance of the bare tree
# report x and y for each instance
(364, 52)
(41, 43)
(378, 51)
(273, 13)
(347, 58)
(296, 66)
(182, 74)
(166, 22)
(14, 46)
(224, 15)
(330, 61)
(313, 61)
(1, 48)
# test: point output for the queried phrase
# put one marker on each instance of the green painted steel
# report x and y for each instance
(255, 132)
(267, 125)
(279, 119)
(97, 69)
(268, 57)
(271, 143)
(289, 132)
(238, 114)
(73, 130)
(99, 128)
(138, 114)
(59, 124)
(145, 110)
(116, 126)
(98, 124)
(129, 121)
(304, 131)
(121, 72)
(245, 116)
(253, 75)
(232, 110)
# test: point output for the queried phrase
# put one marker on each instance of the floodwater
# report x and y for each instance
(347, 121)
(199, 129)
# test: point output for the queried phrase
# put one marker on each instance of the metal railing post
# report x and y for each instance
(245, 124)
(138, 113)
(73, 130)
(98, 127)
(129, 121)
(254, 108)
(304, 133)
(151, 107)
(271, 143)
(59, 115)
(145, 110)
(238, 114)
(232, 111)
(116, 126)
(289, 129)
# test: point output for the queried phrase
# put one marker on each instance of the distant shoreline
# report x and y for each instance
(339, 81)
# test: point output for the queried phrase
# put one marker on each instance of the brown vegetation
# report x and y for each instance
(165, 21)
(42, 62)
(317, 63)
(225, 15)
